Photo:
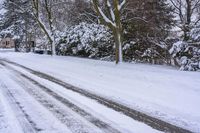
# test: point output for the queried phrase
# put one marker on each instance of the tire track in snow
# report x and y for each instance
(74, 125)
(134, 114)
(62, 114)
(25, 121)
(40, 117)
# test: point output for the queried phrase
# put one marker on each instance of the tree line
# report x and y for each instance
(153, 31)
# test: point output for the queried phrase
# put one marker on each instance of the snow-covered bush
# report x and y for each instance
(195, 33)
(187, 55)
(150, 54)
(86, 40)
(145, 51)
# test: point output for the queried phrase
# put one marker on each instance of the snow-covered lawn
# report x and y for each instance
(160, 91)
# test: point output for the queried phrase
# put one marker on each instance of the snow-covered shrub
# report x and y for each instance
(151, 55)
(195, 33)
(86, 40)
(178, 47)
(144, 51)
(187, 55)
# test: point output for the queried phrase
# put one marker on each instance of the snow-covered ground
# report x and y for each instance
(19, 111)
(160, 91)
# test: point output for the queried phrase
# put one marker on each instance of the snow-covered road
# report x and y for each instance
(105, 90)
(31, 104)
(20, 112)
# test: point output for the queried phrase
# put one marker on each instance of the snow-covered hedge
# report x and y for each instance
(87, 40)
(187, 55)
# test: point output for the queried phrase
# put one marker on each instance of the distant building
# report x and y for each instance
(7, 43)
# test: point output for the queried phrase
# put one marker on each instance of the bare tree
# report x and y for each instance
(113, 21)
(47, 28)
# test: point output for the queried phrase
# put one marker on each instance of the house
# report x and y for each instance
(7, 43)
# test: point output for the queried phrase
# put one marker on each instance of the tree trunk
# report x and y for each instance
(114, 23)
(186, 31)
(188, 20)
(53, 48)
(36, 12)
(118, 45)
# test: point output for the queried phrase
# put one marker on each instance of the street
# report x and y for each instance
(35, 107)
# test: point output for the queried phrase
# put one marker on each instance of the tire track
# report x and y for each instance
(60, 113)
(134, 114)
(24, 119)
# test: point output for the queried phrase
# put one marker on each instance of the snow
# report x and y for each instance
(90, 38)
(11, 119)
(121, 5)
(2, 10)
(115, 119)
(7, 119)
(111, 11)
(105, 18)
(159, 91)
